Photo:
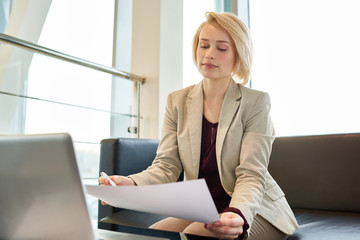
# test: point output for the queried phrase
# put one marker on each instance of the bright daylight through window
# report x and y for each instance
(307, 58)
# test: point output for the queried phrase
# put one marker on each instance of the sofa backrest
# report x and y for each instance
(125, 156)
(318, 172)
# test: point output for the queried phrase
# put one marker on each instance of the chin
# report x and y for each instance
(208, 75)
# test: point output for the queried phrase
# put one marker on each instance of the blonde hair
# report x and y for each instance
(240, 35)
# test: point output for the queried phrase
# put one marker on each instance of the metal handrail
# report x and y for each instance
(52, 53)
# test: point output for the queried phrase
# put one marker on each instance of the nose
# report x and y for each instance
(209, 53)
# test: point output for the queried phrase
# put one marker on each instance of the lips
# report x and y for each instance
(209, 65)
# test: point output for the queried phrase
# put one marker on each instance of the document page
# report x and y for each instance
(188, 200)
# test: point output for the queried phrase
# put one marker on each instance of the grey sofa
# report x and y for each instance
(320, 176)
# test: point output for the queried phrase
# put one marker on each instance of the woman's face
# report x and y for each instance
(215, 53)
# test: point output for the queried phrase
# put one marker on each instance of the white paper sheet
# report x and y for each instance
(188, 200)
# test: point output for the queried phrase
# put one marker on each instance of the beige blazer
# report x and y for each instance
(243, 146)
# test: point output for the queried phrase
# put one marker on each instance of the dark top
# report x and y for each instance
(208, 166)
(210, 172)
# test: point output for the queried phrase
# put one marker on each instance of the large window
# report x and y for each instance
(307, 58)
(88, 36)
(41, 94)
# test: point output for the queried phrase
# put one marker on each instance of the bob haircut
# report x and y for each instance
(240, 35)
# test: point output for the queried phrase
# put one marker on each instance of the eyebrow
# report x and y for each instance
(218, 41)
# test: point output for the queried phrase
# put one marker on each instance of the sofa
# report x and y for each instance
(319, 174)
(124, 156)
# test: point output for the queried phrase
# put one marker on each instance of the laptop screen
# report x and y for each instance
(41, 194)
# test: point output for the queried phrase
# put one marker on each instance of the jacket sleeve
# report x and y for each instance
(255, 152)
(167, 165)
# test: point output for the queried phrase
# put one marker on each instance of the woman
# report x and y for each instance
(232, 150)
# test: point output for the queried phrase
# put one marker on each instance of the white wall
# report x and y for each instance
(156, 54)
(145, 61)
(171, 52)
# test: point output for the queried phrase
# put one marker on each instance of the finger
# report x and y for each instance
(229, 237)
(229, 225)
(225, 229)
(103, 203)
(122, 181)
(225, 232)
(104, 181)
(213, 225)
(118, 180)
(101, 180)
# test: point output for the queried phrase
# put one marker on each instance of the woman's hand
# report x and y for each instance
(118, 180)
(230, 226)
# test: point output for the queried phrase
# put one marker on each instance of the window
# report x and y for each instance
(307, 57)
(89, 36)
(40, 94)
(5, 6)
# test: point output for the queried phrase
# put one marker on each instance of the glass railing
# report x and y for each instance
(43, 91)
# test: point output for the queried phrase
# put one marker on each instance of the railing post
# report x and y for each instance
(138, 96)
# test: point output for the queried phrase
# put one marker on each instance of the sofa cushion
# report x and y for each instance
(326, 225)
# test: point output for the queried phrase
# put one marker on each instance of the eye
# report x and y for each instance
(222, 47)
(204, 46)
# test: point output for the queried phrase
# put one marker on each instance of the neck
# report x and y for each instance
(215, 88)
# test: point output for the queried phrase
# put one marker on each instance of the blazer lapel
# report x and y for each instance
(229, 108)
(194, 105)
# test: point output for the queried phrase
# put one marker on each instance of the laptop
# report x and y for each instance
(41, 192)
